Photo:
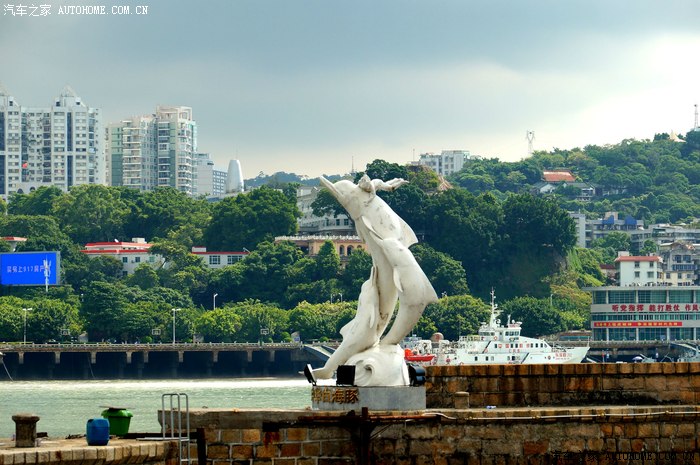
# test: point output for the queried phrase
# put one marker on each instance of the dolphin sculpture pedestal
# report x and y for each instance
(395, 276)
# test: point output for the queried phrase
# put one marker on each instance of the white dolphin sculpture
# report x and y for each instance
(360, 333)
(374, 218)
(395, 276)
(415, 290)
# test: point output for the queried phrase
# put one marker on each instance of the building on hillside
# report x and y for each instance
(311, 245)
(558, 176)
(681, 263)
(210, 182)
(59, 145)
(214, 260)
(130, 254)
(588, 230)
(580, 224)
(446, 162)
(158, 150)
(310, 224)
(599, 228)
(638, 270)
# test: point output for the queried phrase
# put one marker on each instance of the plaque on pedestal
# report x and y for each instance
(346, 398)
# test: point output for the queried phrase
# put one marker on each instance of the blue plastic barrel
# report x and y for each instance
(97, 432)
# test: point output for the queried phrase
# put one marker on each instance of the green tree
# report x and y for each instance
(538, 317)
(91, 213)
(144, 276)
(320, 321)
(445, 273)
(264, 273)
(220, 325)
(453, 316)
(258, 318)
(161, 212)
(356, 272)
(12, 318)
(246, 220)
(37, 203)
(327, 261)
(102, 306)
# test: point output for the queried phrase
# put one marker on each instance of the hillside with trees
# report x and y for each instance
(485, 231)
(653, 180)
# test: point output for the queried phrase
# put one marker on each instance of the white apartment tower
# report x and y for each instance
(210, 181)
(60, 145)
(158, 150)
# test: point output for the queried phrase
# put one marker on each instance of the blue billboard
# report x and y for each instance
(30, 268)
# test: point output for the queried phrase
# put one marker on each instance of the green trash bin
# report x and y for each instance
(119, 419)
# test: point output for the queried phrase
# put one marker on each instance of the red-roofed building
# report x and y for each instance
(638, 270)
(558, 176)
(13, 241)
(130, 254)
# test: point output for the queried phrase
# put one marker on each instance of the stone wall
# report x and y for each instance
(564, 385)
(77, 452)
(659, 435)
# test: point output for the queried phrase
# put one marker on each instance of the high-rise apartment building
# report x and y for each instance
(132, 153)
(158, 150)
(209, 181)
(60, 145)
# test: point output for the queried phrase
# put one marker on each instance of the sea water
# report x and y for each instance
(65, 406)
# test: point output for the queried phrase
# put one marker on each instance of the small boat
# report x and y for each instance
(415, 357)
(498, 343)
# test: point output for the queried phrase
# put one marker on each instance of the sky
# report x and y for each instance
(324, 86)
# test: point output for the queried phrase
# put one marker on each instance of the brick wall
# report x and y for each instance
(595, 435)
(564, 385)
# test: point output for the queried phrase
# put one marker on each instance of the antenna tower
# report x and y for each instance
(530, 138)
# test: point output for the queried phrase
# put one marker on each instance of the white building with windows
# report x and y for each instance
(60, 145)
(638, 271)
(645, 313)
(210, 182)
(215, 260)
(159, 150)
(338, 225)
(130, 254)
(445, 163)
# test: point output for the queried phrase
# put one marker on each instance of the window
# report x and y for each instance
(650, 274)
(599, 297)
(214, 259)
(137, 259)
(125, 259)
(636, 274)
(636, 264)
(622, 297)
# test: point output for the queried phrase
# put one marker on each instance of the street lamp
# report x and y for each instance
(174, 311)
(214, 306)
(25, 322)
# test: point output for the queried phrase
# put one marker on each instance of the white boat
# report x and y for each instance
(499, 344)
